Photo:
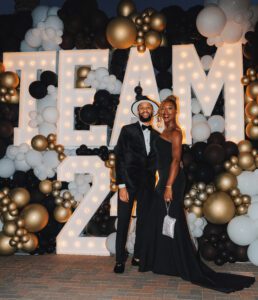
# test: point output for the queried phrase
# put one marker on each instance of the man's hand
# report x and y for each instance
(123, 194)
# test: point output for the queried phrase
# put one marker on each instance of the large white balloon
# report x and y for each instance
(50, 114)
(199, 118)
(232, 32)
(196, 107)
(54, 22)
(211, 21)
(241, 230)
(254, 198)
(33, 158)
(32, 40)
(111, 243)
(252, 252)
(39, 14)
(50, 159)
(47, 128)
(100, 73)
(232, 7)
(11, 151)
(201, 131)
(253, 211)
(247, 182)
(49, 100)
(7, 167)
(217, 123)
(21, 165)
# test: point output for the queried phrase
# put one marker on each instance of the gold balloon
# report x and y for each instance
(145, 27)
(248, 99)
(188, 202)
(254, 152)
(134, 16)
(149, 11)
(39, 142)
(8, 217)
(57, 185)
(113, 187)
(246, 199)
(146, 19)
(226, 182)
(251, 109)
(152, 39)
(202, 196)
(12, 206)
(51, 146)
(139, 41)
(58, 200)
(6, 190)
(255, 121)
(45, 186)
(252, 78)
(62, 214)
(83, 72)
(20, 196)
(14, 212)
(197, 202)
(121, 33)
(245, 146)
(67, 195)
(227, 165)
(201, 186)
(248, 120)
(139, 21)
(5, 247)
(252, 168)
(113, 174)
(250, 72)
(61, 156)
(238, 201)
(140, 33)
(158, 22)
(234, 159)
(9, 228)
(245, 160)
(125, 8)
(192, 192)
(31, 244)
(252, 131)
(25, 238)
(59, 148)
(197, 210)
(56, 193)
(242, 210)
(6, 200)
(235, 170)
(141, 48)
(67, 204)
(51, 137)
(245, 80)
(111, 163)
(15, 98)
(20, 223)
(219, 208)
(20, 232)
(234, 192)
(210, 189)
(252, 90)
(80, 84)
(9, 79)
(35, 217)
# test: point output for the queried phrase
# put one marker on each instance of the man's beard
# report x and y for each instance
(144, 120)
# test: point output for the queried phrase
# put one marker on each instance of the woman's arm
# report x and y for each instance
(176, 140)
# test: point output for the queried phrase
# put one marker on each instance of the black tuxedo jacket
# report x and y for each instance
(133, 166)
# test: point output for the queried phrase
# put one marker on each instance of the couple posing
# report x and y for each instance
(140, 152)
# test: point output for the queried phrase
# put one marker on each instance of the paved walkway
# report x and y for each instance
(89, 277)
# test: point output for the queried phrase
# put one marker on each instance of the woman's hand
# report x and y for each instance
(168, 195)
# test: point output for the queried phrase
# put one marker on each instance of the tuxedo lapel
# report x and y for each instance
(141, 137)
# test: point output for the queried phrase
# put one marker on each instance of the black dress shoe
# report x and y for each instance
(135, 262)
(119, 268)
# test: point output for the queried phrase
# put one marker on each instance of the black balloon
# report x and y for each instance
(214, 154)
(204, 173)
(162, 58)
(164, 80)
(48, 78)
(38, 89)
(3, 147)
(198, 151)
(216, 138)
(6, 129)
(102, 98)
(88, 114)
(208, 252)
(230, 149)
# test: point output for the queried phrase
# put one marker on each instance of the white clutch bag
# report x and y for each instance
(168, 224)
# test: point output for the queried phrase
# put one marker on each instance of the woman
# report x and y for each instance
(177, 256)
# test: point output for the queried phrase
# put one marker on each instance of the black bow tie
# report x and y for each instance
(146, 127)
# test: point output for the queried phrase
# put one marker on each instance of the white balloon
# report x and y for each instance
(32, 40)
(33, 123)
(51, 89)
(206, 61)
(253, 212)
(21, 165)
(50, 159)
(164, 93)
(211, 21)
(252, 252)
(241, 230)
(111, 243)
(24, 147)
(118, 86)
(100, 73)
(91, 75)
(199, 118)
(217, 123)
(7, 167)
(52, 11)
(247, 182)
(39, 14)
(49, 100)
(232, 7)
(54, 22)
(197, 232)
(11, 151)
(50, 45)
(50, 114)
(199, 222)
(33, 158)
(191, 217)
(232, 32)
(112, 78)
(254, 199)
(20, 156)
(47, 128)
(50, 32)
(50, 173)
(24, 47)
(195, 105)
(33, 114)
(201, 131)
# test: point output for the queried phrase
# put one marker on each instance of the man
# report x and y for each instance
(135, 175)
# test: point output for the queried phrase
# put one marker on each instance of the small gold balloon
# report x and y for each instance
(139, 21)
(141, 48)
(45, 186)
(61, 156)
(250, 72)
(202, 196)
(201, 186)
(158, 22)
(51, 146)
(31, 244)
(245, 146)
(14, 212)
(59, 148)
(140, 33)
(2, 68)
(58, 200)
(193, 192)
(9, 228)
(248, 120)
(67, 204)
(246, 199)
(146, 19)
(112, 163)
(56, 193)
(210, 189)
(227, 165)
(62, 214)
(139, 41)
(121, 33)
(252, 131)
(134, 16)
(188, 202)
(125, 8)
(234, 192)
(57, 185)
(13, 243)
(219, 208)
(39, 143)
(6, 190)
(113, 174)
(67, 195)
(5, 247)
(197, 210)
(245, 160)
(80, 84)
(19, 232)
(107, 164)
(252, 168)
(83, 71)
(8, 217)
(4, 209)
(242, 210)
(2, 195)
(20, 196)
(145, 27)
(248, 99)
(238, 200)
(51, 137)
(197, 202)
(254, 152)
(9, 79)
(73, 203)
(35, 217)
(113, 187)
(245, 80)
(6, 201)
(226, 181)
(25, 238)
(252, 78)
(15, 98)
(152, 39)
(112, 156)
(20, 223)
(255, 121)
(234, 159)
(251, 110)
(16, 238)
(252, 90)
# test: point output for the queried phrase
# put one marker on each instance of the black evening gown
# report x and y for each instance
(178, 256)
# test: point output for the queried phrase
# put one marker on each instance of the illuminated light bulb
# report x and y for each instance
(91, 137)
(31, 102)
(189, 65)
(85, 163)
(78, 222)
(81, 59)
(69, 60)
(195, 75)
(232, 115)
(231, 64)
(78, 138)
(222, 62)
(32, 63)
(32, 76)
(77, 244)
(21, 63)
(68, 86)
(206, 98)
(200, 86)
(181, 91)
(94, 199)
(87, 210)
(67, 138)
(232, 101)
(79, 99)
(97, 165)
(148, 81)
(181, 78)
(67, 113)
(68, 100)
(181, 66)
(184, 54)
(91, 244)
(74, 165)
(104, 59)
(103, 175)
(132, 82)
(129, 98)
(29, 129)
(136, 68)
(213, 86)
(70, 233)
(68, 73)
(229, 51)
(67, 124)
(145, 67)
(93, 58)
(103, 138)
(232, 77)
(218, 74)
(122, 124)
(233, 127)
(9, 63)
(102, 187)
(125, 111)
(232, 90)
(63, 244)
(53, 62)
(43, 63)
